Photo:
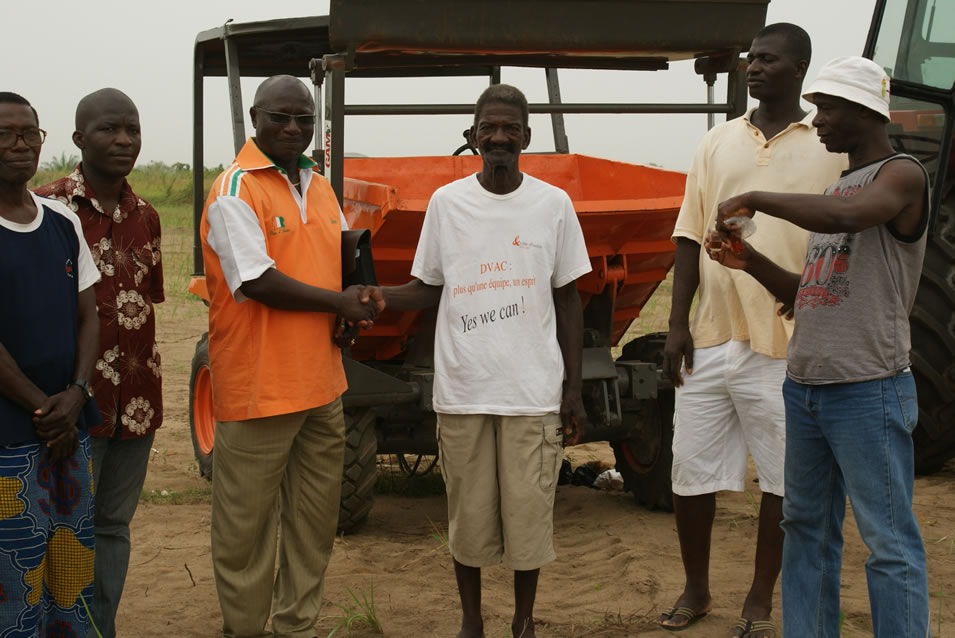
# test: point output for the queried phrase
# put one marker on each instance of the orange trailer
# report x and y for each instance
(627, 212)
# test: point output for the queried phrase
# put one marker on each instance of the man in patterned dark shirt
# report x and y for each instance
(122, 231)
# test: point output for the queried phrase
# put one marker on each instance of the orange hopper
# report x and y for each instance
(627, 213)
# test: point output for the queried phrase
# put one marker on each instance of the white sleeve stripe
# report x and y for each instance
(235, 183)
(237, 239)
(227, 179)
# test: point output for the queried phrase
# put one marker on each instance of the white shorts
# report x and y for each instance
(730, 407)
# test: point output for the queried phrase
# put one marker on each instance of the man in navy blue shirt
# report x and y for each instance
(48, 337)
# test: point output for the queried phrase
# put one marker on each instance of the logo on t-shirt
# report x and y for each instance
(825, 278)
(69, 268)
(523, 244)
(277, 225)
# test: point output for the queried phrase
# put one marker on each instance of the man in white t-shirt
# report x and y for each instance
(500, 253)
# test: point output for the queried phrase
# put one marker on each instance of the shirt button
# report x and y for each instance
(121, 285)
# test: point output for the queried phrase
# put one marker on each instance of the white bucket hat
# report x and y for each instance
(856, 79)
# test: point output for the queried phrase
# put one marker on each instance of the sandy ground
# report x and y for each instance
(618, 564)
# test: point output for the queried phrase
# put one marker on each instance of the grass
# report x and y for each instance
(753, 503)
(189, 496)
(360, 611)
(611, 625)
(439, 534)
(941, 596)
(89, 616)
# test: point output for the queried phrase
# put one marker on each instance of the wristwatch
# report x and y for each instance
(84, 386)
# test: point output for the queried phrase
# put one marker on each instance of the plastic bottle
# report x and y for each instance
(740, 227)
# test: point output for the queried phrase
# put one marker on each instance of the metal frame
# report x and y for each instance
(282, 46)
(336, 66)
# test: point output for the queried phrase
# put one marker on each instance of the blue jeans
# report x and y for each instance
(119, 470)
(855, 439)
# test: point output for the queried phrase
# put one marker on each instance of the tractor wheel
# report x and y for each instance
(644, 458)
(202, 424)
(933, 346)
(360, 471)
(361, 443)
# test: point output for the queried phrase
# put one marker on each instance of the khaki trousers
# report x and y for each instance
(287, 470)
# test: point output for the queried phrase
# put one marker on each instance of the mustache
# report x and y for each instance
(511, 148)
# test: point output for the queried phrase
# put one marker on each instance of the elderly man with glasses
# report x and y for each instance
(271, 240)
(48, 338)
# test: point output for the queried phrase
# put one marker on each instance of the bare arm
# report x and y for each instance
(686, 280)
(570, 337)
(414, 295)
(896, 196)
(279, 291)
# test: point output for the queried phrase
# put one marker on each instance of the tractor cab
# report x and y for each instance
(914, 41)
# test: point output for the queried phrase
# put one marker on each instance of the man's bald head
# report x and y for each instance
(283, 114)
(278, 87)
(97, 102)
(108, 134)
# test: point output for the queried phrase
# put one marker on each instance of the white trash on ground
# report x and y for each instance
(609, 480)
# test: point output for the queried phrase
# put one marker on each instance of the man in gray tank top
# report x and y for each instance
(850, 396)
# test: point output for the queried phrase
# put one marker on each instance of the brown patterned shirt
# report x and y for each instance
(125, 243)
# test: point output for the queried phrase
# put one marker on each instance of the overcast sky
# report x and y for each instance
(55, 52)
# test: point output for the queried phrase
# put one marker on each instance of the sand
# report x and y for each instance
(618, 565)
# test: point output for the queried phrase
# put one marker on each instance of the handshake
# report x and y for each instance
(360, 306)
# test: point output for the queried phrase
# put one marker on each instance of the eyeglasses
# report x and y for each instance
(283, 119)
(31, 137)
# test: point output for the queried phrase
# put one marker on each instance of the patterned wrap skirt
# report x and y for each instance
(46, 542)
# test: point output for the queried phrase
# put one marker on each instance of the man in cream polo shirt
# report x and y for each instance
(728, 363)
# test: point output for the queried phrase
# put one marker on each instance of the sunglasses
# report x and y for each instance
(284, 119)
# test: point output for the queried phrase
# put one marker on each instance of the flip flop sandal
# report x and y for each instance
(751, 627)
(691, 616)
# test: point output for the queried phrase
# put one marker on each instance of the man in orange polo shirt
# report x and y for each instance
(271, 240)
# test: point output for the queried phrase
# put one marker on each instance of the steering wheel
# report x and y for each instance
(467, 144)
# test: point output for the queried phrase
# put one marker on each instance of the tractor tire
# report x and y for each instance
(202, 423)
(933, 346)
(361, 444)
(360, 470)
(645, 458)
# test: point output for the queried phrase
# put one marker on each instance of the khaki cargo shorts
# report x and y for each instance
(501, 476)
